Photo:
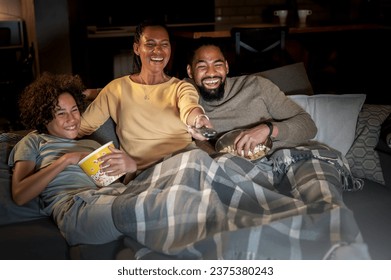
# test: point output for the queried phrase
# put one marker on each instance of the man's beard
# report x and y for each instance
(211, 94)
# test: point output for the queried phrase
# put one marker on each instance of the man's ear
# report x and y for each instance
(188, 68)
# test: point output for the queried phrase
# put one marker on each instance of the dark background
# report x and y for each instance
(349, 62)
(125, 13)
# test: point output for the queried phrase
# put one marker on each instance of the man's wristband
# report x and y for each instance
(270, 126)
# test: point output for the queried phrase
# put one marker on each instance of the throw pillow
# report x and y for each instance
(362, 156)
(105, 133)
(10, 212)
(335, 116)
(291, 79)
(7, 142)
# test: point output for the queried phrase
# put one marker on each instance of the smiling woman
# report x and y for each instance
(159, 108)
(152, 49)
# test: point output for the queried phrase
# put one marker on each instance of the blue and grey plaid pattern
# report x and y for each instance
(191, 206)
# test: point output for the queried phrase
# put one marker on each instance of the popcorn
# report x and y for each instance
(91, 166)
(259, 151)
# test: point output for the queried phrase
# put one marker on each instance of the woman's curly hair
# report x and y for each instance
(38, 100)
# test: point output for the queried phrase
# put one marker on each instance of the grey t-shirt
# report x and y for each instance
(44, 149)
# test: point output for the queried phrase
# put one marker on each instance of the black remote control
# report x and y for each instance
(206, 132)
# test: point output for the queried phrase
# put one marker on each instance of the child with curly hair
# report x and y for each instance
(45, 162)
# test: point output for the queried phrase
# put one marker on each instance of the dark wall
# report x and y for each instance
(123, 13)
(52, 29)
(92, 59)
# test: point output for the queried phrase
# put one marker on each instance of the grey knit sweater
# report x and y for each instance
(250, 100)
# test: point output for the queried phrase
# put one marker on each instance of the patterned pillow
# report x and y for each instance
(7, 141)
(362, 156)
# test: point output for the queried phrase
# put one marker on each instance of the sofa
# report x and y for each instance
(345, 122)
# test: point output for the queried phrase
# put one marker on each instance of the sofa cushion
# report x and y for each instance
(9, 211)
(383, 149)
(107, 251)
(384, 152)
(105, 133)
(371, 207)
(385, 134)
(362, 156)
(33, 240)
(334, 115)
(291, 79)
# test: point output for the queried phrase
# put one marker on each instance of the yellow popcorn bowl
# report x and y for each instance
(90, 166)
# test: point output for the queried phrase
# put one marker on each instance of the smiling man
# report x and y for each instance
(248, 101)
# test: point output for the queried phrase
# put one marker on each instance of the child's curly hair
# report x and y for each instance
(39, 99)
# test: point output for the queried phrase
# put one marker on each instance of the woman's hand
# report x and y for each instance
(117, 163)
(201, 134)
(201, 121)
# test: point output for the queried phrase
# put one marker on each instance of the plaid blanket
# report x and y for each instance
(288, 206)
